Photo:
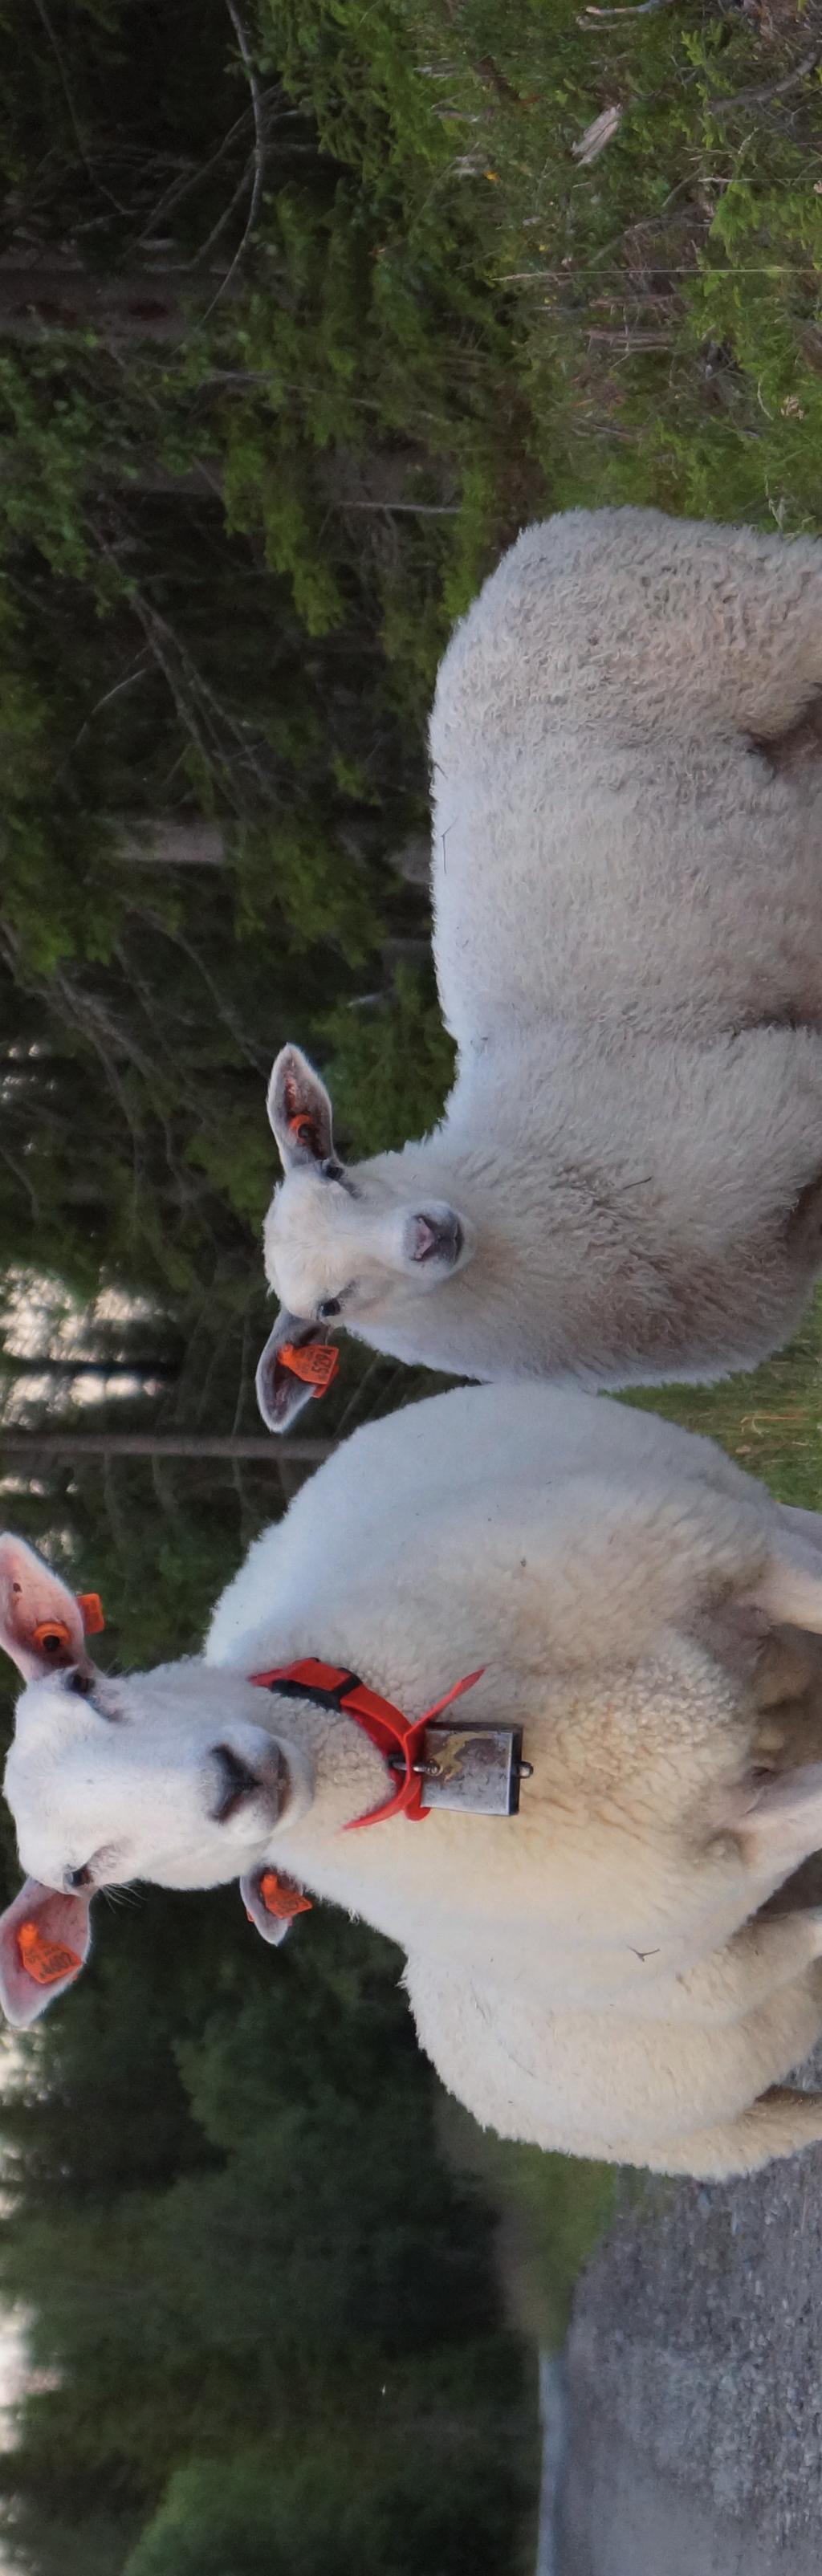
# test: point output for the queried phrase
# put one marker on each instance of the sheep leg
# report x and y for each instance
(780, 2123)
(804, 1240)
(780, 1827)
(801, 744)
(789, 1590)
(598, 2085)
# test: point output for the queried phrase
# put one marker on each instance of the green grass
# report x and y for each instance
(653, 317)
(553, 2210)
(771, 1421)
(664, 301)
(535, 332)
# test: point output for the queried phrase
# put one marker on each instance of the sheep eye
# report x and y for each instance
(330, 1306)
(237, 1783)
(78, 1878)
(82, 1684)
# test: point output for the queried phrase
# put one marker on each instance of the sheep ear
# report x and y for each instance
(271, 1901)
(44, 1943)
(299, 1110)
(41, 1621)
(788, 1593)
(282, 1389)
(272, 1927)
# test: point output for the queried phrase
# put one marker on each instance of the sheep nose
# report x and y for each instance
(436, 1238)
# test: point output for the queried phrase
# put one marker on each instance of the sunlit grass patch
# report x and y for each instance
(770, 1421)
(663, 298)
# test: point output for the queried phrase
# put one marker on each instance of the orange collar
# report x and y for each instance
(392, 1734)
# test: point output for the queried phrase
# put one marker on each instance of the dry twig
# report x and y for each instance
(761, 97)
(259, 158)
(595, 137)
(65, 84)
(645, 10)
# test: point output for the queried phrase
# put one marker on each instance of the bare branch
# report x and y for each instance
(761, 97)
(645, 10)
(259, 158)
(408, 509)
(242, 1379)
(88, 166)
(139, 671)
(171, 931)
(216, 234)
(22, 1176)
(630, 342)
(182, 186)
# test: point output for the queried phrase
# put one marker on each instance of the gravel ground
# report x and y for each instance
(695, 2383)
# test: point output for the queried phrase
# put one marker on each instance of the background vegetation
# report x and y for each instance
(304, 309)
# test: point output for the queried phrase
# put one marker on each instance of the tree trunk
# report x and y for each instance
(167, 843)
(77, 1445)
(13, 1365)
(55, 293)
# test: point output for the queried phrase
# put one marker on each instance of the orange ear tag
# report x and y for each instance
(90, 1607)
(45, 1961)
(50, 1633)
(281, 1897)
(304, 1131)
(315, 1362)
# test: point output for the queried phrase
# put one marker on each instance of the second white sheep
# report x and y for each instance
(627, 876)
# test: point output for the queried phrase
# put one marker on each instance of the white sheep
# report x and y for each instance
(585, 1974)
(627, 880)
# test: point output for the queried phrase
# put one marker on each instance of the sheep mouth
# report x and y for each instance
(276, 1784)
(439, 1239)
(282, 1784)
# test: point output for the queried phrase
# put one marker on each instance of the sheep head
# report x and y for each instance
(171, 1776)
(340, 1245)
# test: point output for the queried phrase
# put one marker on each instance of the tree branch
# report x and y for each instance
(644, 10)
(259, 158)
(761, 97)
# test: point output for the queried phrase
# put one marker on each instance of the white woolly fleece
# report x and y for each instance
(626, 885)
(586, 1974)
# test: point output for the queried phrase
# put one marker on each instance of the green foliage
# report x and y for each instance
(389, 1074)
(275, 2262)
(47, 422)
(309, 2518)
(323, 894)
(263, 486)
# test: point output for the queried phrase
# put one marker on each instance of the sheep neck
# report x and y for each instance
(329, 1686)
